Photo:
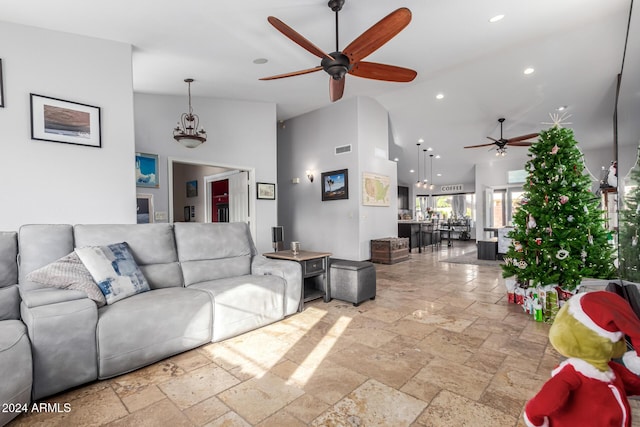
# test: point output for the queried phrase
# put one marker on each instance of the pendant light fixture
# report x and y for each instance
(431, 176)
(418, 182)
(187, 132)
(425, 184)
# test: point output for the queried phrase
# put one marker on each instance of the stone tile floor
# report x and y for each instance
(439, 346)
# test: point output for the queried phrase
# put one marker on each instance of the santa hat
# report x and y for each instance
(610, 316)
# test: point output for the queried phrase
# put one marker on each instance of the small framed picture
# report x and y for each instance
(335, 185)
(57, 120)
(147, 170)
(144, 209)
(266, 190)
(192, 188)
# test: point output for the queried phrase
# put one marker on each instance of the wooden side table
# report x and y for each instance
(315, 273)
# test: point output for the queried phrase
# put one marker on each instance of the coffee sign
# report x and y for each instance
(451, 188)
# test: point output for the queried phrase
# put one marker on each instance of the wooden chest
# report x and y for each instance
(390, 250)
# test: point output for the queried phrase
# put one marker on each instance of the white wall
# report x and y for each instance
(240, 135)
(342, 227)
(48, 182)
(373, 134)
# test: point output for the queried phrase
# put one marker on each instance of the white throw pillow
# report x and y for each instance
(114, 270)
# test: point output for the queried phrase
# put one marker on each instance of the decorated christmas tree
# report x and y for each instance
(629, 228)
(559, 235)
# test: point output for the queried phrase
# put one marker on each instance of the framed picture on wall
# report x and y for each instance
(192, 188)
(1, 86)
(57, 120)
(147, 170)
(375, 189)
(335, 185)
(144, 209)
(266, 191)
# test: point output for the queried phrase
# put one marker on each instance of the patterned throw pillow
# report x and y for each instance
(68, 273)
(114, 270)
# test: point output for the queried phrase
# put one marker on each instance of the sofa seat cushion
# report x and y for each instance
(15, 367)
(151, 326)
(244, 303)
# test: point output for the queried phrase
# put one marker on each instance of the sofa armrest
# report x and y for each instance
(46, 296)
(63, 340)
(290, 271)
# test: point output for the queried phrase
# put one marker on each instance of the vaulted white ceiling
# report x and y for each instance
(575, 47)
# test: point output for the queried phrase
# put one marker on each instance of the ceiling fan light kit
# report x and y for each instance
(349, 61)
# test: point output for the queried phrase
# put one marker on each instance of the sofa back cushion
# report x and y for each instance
(8, 258)
(9, 298)
(209, 251)
(152, 246)
(41, 244)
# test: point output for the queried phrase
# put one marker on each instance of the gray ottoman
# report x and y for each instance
(352, 281)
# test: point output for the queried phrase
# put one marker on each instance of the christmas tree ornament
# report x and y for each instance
(555, 149)
(570, 218)
(522, 265)
(532, 222)
(564, 199)
(538, 241)
(562, 254)
(634, 240)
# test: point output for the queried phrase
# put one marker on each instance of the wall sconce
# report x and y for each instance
(309, 173)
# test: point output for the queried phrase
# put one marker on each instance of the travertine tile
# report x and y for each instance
(372, 404)
(391, 369)
(454, 377)
(142, 398)
(206, 411)
(258, 398)
(198, 385)
(306, 408)
(441, 413)
(160, 413)
(230, 419)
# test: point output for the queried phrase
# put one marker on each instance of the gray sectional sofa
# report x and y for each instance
(15, 351)
(207, 284)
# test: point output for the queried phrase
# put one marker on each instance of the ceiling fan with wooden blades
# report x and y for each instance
(501, 144)
(349, 61)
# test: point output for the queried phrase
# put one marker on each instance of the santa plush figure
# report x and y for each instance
(588, 388)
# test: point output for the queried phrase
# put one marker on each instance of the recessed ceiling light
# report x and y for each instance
(438, 174)
(439, 96)
(496, 18)
(562, 108)
(420, 141)
(411, 171)
(396, 159)
(260, 61)
(429, 149)
(528, 70)
(437, 156)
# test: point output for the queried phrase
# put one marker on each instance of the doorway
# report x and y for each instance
(190, 191)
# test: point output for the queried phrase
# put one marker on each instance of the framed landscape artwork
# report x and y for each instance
(266, 191)
(335, 185)
(147, 170)
(57, 120)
